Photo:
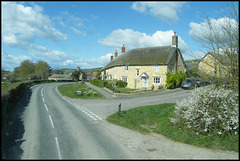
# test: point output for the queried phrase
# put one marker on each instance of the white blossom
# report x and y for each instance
(209, 110)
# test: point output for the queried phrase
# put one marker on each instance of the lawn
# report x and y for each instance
(69, 90)
(155, 119)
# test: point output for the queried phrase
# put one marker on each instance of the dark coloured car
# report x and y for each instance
(189, 84)
(202, 82)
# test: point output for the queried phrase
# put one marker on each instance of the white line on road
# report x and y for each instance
(89, 113)
(58, 148)
(51, 121)
(43, 99)
(46, 107)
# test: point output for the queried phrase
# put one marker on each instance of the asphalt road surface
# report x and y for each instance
(50, 126)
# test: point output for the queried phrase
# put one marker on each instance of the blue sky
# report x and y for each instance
(70, 34)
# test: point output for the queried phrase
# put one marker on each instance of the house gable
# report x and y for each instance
(211, 64)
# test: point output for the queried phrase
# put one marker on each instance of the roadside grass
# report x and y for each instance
(155, 119)
(7, 87)
(124, 89)
(69, 90)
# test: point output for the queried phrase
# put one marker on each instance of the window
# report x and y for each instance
(126, 68)
(171, 68)
(156, 68)
(156, 79)
(124, 79)
(137, 72)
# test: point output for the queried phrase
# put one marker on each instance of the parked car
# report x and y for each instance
(189, 84)
(202, 82)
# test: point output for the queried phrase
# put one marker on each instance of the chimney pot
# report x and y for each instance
(111, 57)
(116, 54)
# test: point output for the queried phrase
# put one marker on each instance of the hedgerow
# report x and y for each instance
(211, 111)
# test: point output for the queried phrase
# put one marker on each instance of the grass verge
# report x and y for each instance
(155, 118)
(69, 90)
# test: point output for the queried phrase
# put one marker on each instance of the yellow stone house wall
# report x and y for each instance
(135, 81)
(206, 66)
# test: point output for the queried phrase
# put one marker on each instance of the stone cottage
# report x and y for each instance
(145, 68)
(214, 65)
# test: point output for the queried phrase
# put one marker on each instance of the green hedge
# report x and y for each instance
(99, 83)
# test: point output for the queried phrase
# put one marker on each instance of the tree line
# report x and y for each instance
(29, 70)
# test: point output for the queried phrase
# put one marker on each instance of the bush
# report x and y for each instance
(121, 83)
(175, 80)
(170, 80)
(99, 83)
(212, 111)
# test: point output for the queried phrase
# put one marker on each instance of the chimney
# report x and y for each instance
(78, 68)
(116, 54)
(175, 40)
(123, 49)
(111, 57)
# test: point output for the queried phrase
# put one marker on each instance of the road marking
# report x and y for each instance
(51, 121)
(89, 113)
(43, 99)
(86, 111)
(46, 107)
(58, 148)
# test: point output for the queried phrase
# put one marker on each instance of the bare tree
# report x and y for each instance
(221, 38)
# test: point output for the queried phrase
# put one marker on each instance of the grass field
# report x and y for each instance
(155, 119)
(69, 90)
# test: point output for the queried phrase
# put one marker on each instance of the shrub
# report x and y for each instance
(121, 83)
(175, 80)
(212, 111)
(99, 83)
(170, 80)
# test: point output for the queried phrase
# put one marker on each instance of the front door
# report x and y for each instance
(145, 82)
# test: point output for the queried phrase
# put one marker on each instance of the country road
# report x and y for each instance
(50, 126)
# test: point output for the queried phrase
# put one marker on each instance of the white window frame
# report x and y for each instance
(156, 68)
(124, 78)
(126, 67)
(156, 80)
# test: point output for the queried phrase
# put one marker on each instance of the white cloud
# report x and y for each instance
(10, 61)
(200, 32)
(56, 58)
(135, 39)
(20, 24)
(165, 11)
(76, 31)
(44, 53)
